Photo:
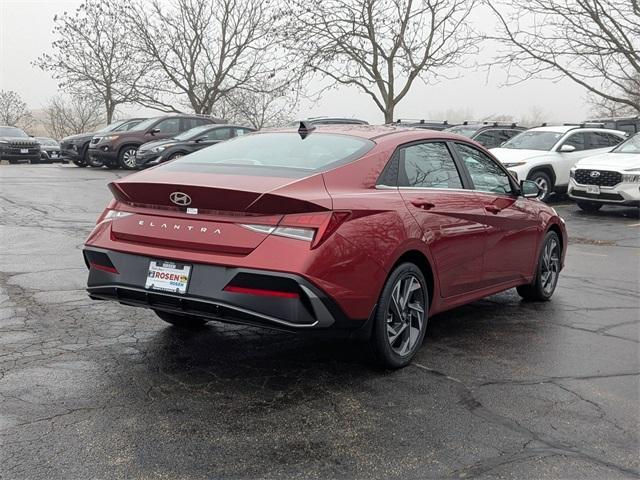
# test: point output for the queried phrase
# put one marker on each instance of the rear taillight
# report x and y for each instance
(108, 215)
(311, 227)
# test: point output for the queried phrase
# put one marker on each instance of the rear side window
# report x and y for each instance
(603, 140)
(317, 151)
(219, 134)
(428, 165)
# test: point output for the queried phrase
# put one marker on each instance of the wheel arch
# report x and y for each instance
(419, 259)
(128, 144)
(545, 168)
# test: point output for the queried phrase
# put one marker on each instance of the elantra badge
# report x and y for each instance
(180, 198)
(594, 174)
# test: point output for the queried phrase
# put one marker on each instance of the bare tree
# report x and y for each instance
(92, 56)
(67, 116)
(595, 43)
(258, 109)
(381, 46)
(199, 51)
(13, 110)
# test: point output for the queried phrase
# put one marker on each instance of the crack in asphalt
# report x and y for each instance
(552, 446)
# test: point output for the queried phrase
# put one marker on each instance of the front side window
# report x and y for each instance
(170, 125)
(578, 140)
(428, 165)
(485, 173)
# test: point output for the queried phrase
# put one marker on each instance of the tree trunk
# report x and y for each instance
(388, 113)
(110, 111)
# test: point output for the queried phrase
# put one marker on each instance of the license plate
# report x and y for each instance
(24, 150)
(595, 189)
(168, 276)
(54, 155)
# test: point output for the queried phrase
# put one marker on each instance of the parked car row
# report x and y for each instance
(16, 146)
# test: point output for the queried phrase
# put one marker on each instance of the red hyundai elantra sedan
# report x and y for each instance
(366, 228)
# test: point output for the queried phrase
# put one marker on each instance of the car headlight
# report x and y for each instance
(3, 142)
(572, 173)
(162, 147)
(110, 138)
(631, 177)
(513, 164)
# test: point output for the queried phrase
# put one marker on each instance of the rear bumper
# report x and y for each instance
(124, 281)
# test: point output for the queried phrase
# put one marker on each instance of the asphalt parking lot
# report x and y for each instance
(500, 389)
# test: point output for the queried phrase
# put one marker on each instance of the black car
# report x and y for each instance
(16, 145)
(426, 124)
(75, 148)
(631, 125)
(158, 151)
(49, 150)
(488, 134)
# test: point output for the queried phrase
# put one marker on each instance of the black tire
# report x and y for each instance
(35, 161)
(589, 206)
(13, 162)
(187, 322)
(94, 162)
(127, 157)
(544, 183)
(386, 323)
(173, 156)
(540, 289)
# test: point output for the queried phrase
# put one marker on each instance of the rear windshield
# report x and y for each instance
(318, 151)
(534, 140)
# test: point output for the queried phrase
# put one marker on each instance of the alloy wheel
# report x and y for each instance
(550, 268)
(405, 315)
(129, 157)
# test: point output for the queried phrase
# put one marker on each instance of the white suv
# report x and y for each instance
(546, 154)
(612, 178)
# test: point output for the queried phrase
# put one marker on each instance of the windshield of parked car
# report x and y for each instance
(46, 141)
(534, 140)
(192, 133)
(464, 130)
(12, 132)
(144, 124)
(632, 145)
(283, 150)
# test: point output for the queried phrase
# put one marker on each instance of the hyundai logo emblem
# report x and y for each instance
(180, 198)
(594, 174)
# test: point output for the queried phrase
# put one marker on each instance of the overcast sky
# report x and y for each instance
(25, 33)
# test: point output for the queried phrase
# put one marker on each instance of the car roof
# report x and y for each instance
(378, 133)
(567, 128)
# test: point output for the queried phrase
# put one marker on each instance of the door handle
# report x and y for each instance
(423, 204)
(493, 209)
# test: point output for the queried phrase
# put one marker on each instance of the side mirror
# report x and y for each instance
(154, 131)
(567, 148)
(529, 189)
(200, 139)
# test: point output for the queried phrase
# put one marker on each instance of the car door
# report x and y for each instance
(511, 221)
(449, 215)
(581, 141)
